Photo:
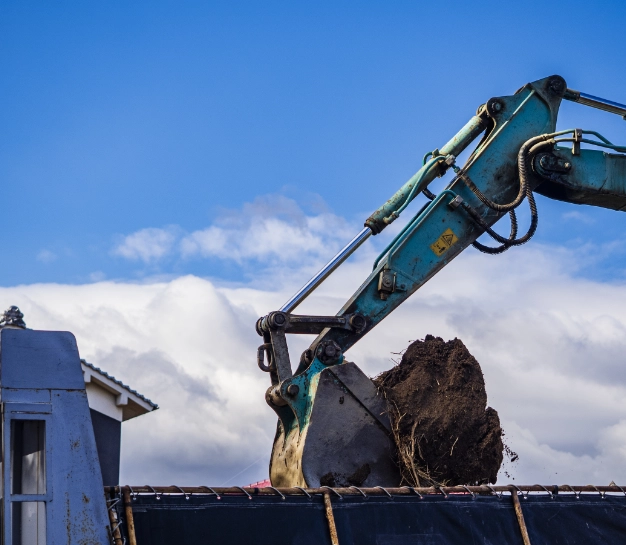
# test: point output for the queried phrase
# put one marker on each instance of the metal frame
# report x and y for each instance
(416, 492)
(24, 411)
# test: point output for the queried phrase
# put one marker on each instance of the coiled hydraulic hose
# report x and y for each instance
(529, 149)
(523, 187)
(525, 191)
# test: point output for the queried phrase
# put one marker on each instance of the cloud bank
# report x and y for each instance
(146, 245)
(551, 346)
(272, 230)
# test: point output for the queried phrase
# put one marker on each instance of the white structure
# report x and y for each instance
(111, 397)
(111, 402)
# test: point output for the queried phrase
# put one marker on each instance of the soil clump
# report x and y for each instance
(443, 430)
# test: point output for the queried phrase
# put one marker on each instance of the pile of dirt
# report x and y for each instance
(444, 431)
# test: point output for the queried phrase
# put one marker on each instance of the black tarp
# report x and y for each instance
(379, 520)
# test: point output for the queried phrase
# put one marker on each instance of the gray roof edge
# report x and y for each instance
(120, 383)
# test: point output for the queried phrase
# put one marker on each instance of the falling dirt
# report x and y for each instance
(510, 459)
(443, 429)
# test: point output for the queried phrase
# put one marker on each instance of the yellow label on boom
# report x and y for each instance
(447, 239)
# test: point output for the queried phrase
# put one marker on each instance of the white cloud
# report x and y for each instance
(186, 346)
(146, 245)
(578, 216)
(46, 256)
(97, 276)
(272, 229)
(551, 347)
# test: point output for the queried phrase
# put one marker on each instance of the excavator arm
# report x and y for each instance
(332, 421)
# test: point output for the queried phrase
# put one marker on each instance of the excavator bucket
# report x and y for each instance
(333, 427)
(343, 440)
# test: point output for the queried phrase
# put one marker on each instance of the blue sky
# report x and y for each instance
(170, 171)
(118, 116)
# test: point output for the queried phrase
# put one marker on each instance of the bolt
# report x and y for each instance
(568, 165)
(497, 106)
(279, 319)
(328, 352)
(292, 390)
(357, 321)
(557, 85)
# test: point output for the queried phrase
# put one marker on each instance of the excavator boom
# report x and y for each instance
(333, 425)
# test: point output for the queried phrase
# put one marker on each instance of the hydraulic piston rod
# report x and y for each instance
(596, 102)
(375, 223)
(310, 286)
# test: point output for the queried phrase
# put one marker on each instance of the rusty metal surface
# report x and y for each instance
(130, 521)
(378, 491)
(330, 518)
(281, 354)
(520, 516)
(494, 169)
(113, 520)
(42, 381)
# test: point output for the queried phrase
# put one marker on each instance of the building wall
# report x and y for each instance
(103, 401)
(108, 432)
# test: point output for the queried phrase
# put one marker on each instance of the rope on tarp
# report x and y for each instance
(520, 516)
(330, 518)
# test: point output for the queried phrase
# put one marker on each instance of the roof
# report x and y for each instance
(131, 401)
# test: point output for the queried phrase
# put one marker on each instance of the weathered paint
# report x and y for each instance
(493, 168)
(433, 238)
(343, 434)
(336, 405)
(595, 178)
(41, 379)
(456, 145)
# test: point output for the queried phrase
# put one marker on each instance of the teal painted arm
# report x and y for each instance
(457, 216)
(329, 411)
(590, 177)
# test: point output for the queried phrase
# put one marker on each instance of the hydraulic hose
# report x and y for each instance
(505, 242)
(532, 145)
(428, 165)
(521, 162)
(503, 247)
(529, 149)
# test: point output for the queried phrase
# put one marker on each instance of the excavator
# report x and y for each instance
(331, 417)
